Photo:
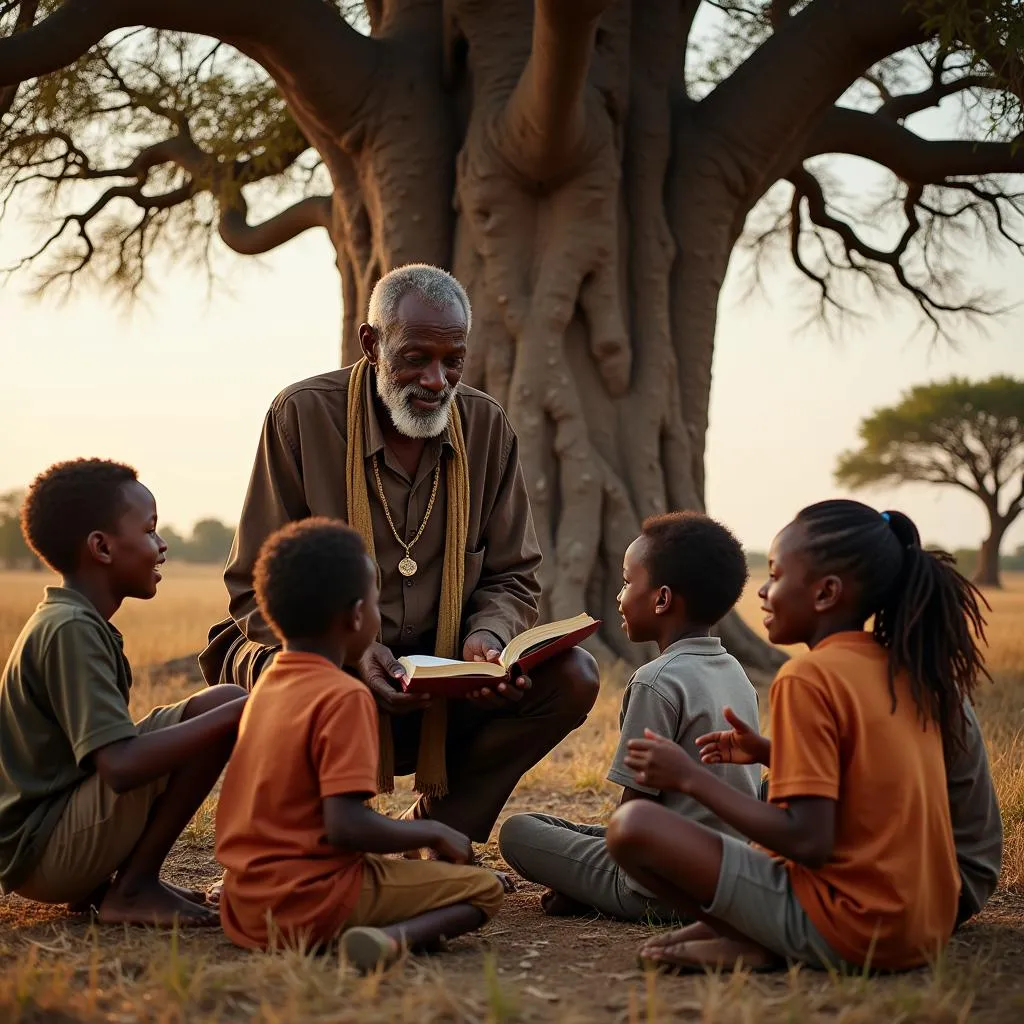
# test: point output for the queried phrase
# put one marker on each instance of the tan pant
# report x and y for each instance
(396, 889)
(97, 831)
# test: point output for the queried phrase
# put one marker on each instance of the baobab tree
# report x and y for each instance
(586, 167)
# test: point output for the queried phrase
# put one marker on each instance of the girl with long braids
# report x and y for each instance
(853, 861)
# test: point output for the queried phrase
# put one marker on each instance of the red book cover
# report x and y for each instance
(463, 680)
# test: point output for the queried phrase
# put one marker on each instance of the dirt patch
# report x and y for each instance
(523, 966)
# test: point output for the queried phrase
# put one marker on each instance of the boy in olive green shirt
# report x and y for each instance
(90, 801)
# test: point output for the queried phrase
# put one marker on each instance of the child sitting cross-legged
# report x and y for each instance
(300, 847)
(856, 863)
(680, 576)
(90, 801)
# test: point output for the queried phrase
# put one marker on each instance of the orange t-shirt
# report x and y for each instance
(889, 891)
(309, 731)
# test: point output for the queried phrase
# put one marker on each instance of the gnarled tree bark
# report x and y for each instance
(547, 151)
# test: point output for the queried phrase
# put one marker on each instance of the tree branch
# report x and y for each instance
(56, 41)
(900, 107)
(1016, 506)
(808, 187)
(307, 47)
(1007, 63)
(779, 11)
(148, 204)
(203, 172)
(544, 122)
(863, 259)
(27, 10)
(902, 464)
(252, 240)
(768, 105)
(909, 156)
(688, 12)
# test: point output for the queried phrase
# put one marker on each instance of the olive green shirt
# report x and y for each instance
(63, 696)
(299, 471)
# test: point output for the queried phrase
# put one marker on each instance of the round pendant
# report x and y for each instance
(407, 567)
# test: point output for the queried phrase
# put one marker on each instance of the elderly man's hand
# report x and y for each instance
(383, 675)
(484, 646)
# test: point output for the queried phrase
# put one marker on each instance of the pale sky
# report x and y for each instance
(180, 386)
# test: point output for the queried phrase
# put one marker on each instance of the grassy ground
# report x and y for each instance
(523, 966)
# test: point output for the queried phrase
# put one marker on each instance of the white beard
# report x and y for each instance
(398, 402)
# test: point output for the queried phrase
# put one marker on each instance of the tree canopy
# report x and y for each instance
(14, 552)
(956, 433)
(160, 130)
(208, 544)
(587, 168)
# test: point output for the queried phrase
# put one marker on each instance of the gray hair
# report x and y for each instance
(435, 286)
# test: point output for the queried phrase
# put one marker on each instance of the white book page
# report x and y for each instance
(429, 661)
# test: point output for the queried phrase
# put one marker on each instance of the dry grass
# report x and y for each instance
(524, 967)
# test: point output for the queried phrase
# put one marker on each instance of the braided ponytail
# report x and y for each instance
(927, 616)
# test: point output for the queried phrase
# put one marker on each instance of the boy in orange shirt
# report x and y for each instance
(855, 863)
(300, 848)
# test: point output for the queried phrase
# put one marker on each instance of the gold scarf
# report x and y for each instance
(431, 772)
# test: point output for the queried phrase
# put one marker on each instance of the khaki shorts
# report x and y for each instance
(97, 830)
(396, 889)
(755, 896)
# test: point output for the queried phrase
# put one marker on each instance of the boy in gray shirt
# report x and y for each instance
(680, 576)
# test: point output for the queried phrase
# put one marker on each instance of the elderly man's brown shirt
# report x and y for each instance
(299, 471)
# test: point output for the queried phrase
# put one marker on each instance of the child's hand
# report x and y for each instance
(451, 845)
(738, 745)
(660, 764)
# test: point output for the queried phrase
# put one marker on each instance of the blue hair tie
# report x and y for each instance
(885, 516)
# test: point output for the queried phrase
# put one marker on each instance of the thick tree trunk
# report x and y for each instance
(548, 153)
(593, 250)
(986, 573)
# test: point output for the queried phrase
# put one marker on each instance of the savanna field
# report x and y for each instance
(523, 966)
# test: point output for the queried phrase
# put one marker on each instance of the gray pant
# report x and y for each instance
(574, 861)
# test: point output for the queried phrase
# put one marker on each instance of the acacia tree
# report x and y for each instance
(14, 552)
(586, 167)
(955, 434)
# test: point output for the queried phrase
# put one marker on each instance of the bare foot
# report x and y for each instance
(94, 900)
(91, 902)
(212, 894)
(508, 883)
(689, 933)
(718, 954)
(556, 904)
(192, 895)
(156, 905)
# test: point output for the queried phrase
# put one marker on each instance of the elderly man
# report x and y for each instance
(427, 469)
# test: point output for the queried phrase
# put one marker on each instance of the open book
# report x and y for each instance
(447, 678)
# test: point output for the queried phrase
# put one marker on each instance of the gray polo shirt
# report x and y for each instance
(682, 695)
